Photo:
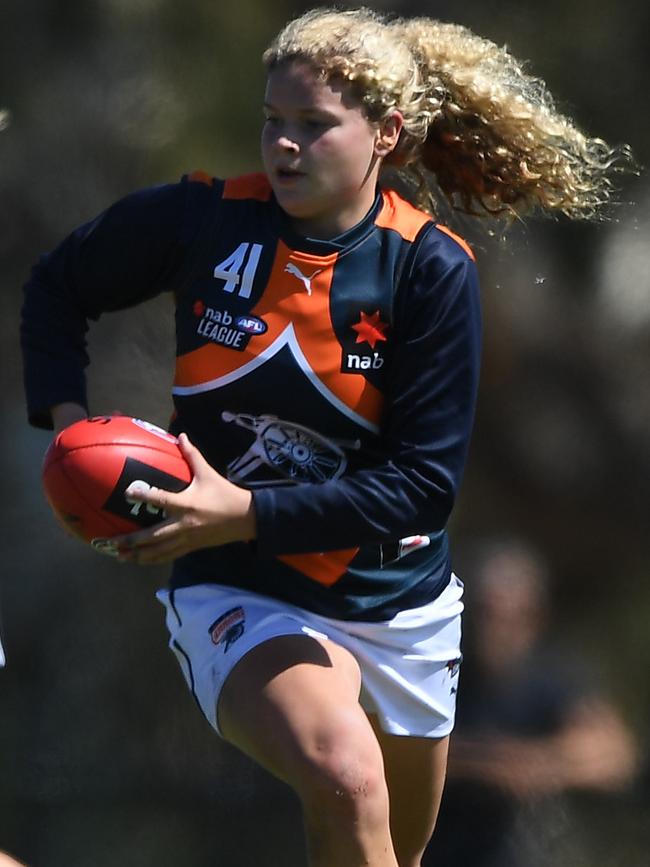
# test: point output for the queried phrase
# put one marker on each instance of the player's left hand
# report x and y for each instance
(210, 511)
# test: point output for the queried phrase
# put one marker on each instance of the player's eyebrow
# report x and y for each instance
(308, 109)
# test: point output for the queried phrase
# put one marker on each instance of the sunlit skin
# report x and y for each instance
(8, 861)
(323, 157)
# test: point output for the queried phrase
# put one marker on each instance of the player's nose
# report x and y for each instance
(287, 144)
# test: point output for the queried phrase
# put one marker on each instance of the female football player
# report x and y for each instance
(327, 366)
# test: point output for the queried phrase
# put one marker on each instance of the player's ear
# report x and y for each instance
(388, 134)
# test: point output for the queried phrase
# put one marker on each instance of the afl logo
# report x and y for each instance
(251, 324)
(154, 429)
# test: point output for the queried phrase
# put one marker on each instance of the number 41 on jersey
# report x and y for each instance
(246, 256)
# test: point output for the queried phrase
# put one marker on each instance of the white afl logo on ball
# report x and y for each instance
(154, 429)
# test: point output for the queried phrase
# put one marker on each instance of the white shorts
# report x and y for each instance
(409, 665)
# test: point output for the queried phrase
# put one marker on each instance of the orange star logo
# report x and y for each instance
(370, 329)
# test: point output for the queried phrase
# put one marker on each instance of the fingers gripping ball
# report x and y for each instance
(89, 466)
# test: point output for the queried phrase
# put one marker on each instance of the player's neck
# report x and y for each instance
(329, 225)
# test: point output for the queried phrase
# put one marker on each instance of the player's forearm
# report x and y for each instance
(123, 257)
(53, 346)
(65, 414)
(371, 506)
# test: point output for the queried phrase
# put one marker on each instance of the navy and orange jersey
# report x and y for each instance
(336, 379)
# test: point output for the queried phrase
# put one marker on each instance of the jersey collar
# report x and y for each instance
(347, 239)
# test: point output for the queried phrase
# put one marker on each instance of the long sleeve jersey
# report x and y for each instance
(335, 379)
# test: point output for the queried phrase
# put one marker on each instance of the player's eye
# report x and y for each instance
(319, 122)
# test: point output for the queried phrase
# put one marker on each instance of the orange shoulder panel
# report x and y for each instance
(255, 186)
(460, 241)
(401, 216)
(200, 177)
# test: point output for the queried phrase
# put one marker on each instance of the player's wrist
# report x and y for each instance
(243, 524)
(65, 414)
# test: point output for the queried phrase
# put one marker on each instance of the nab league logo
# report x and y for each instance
(225, 328)
(370, 330)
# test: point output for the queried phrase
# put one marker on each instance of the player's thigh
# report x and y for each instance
(415, 771)
(292, 705)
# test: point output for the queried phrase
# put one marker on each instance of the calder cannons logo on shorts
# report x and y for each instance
(228, 628)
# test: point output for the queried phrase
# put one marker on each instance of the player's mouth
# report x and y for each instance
(287, 175)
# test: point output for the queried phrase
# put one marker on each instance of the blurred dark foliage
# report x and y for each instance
(103, 756)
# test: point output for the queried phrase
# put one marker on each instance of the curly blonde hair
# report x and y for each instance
(476, 125)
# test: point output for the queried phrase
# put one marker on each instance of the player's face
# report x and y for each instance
(319, 150)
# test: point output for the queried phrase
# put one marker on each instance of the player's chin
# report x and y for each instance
(297, 202)
(292, 205)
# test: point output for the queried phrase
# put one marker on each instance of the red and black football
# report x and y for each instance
(89, 466)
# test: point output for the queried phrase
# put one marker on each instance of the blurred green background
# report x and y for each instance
(104, 759)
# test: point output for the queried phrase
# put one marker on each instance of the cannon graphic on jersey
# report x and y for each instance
(89, 466)
(294, 453)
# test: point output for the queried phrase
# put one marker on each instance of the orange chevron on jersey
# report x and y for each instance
(310, 312)
(325, 568)
(296, 309)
